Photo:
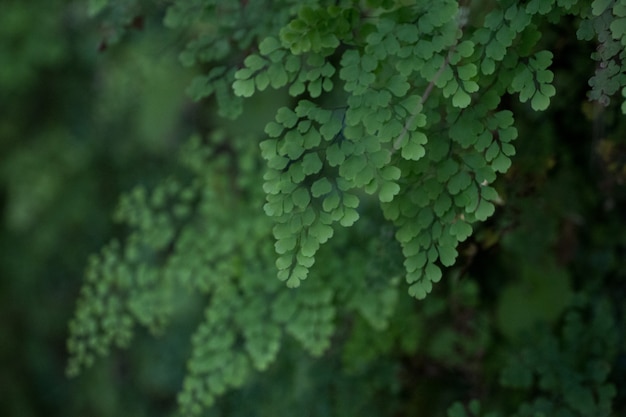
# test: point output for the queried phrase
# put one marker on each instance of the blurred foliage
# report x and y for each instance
(77, 127)
(530, 321)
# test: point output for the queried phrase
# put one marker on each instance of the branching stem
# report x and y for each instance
(398, 142)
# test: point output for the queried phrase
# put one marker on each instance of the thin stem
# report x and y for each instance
(398, 142)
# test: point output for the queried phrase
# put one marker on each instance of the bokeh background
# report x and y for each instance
(80, 122)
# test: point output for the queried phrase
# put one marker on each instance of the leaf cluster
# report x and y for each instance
(395, 117)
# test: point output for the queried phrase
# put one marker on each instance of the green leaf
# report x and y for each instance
(262, 80)
(420, 289)
(292, 145)
(484, 210)
(331, 202)
(599, 6)
(311, 163)
(285, 245)
(321, 187)
(368, 63)
(273, 129)
(505, 36)
(269, 45)
(331, 129)
(334, 155)
(309, 246)
(284, 261)
(471, 198)
(488, 66)
(447, 255)
(254, 62)
(304, 126)
(277, 75)
(508, 134)
(387, 191)
(301, 197)
(461, 230)
(298, 274)
(447, 169)
(465, 48)
(484, 140)
(286, 117)
(390, 173)
(432, 253)
(432, 272)
(492, 151)
(353, 166)
(413, 104)
(311, 139)
(398, 85)
(467, 71)
(277, 162)
(243, 88)
(305, 261)
(459, 182)
(425, 217)
(321, 231)
(350, 216)
(413, 149)
(415, 262)
(443, 204)
(407, 33)
(350, 200)
(296, 88)
(540, 102)
(501, 163)
(461, 99)
(489, 193)
(315, 88)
